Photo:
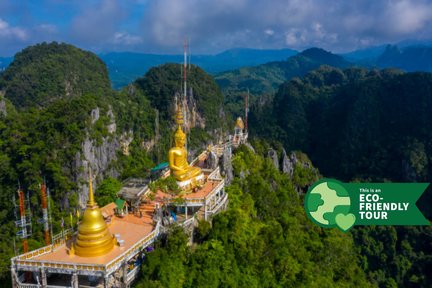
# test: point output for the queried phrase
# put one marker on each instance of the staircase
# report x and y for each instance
(147, 211)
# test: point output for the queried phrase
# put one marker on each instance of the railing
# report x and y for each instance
(216, 189)
(34, 265)
(25, 285)
(58, 240)
(188, 222)
(61, 237)
(218, 206)
(132, 274)
(86, 268)
(215, 174)
(34, 253)
(194, 200)
(118, 261)
(220, 148)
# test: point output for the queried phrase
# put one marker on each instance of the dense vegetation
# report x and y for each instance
(161, 83)
(364, 125)
(45, 72)
(43, 125)
(263, 240)
(266, 78)
(262, 81)
(355, 124)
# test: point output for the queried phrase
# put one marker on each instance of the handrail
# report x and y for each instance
(88, 267)
(131, 275)
(224, 199)
(216, 189)
(26, 285)
(188, 221)
(199, 157)
(147, 239)
(46, 249)
(212, 175)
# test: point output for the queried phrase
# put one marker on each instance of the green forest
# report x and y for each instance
(263, 240)
(353, 124)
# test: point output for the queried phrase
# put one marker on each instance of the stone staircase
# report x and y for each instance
(147, 210)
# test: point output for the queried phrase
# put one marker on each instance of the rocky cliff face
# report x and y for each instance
(288, 163)
(294, 164)
(98, 156)
(227, 168)
(3, 110)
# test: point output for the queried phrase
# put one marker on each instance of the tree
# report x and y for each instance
(107, 191)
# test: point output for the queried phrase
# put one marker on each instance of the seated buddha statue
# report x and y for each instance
(177, 155)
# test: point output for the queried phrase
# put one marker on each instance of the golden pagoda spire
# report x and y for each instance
(91, 201)
(94, 238)
(179, 115)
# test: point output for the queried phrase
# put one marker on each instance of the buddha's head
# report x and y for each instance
(179, 137)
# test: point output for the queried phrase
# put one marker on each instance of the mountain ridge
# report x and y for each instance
(125, 67)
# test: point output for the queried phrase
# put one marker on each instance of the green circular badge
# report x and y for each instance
(327, 203)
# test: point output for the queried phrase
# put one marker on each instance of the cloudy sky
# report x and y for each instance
(159, 26)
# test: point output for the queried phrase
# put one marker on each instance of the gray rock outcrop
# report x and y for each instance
(226, 165)
(272, 154)
(3, 110)
(288, 162)
(98, 156)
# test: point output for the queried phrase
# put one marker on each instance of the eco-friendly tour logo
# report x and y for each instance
(330, 203)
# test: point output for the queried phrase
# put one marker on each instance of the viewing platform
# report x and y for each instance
(54, 266)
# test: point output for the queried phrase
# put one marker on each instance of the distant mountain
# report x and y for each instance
(125, 67)
(407, 56)
(4, 62)
(364, 54)
(266, 78)
(410, 59)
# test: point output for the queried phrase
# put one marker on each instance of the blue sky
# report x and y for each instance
(159, 26)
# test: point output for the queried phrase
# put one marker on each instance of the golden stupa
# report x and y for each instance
(94, 238)
(177, 155)
(239, 123)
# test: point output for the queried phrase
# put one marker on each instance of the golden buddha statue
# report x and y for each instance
(94, 238)
(177, 155)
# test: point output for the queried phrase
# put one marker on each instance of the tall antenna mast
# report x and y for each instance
(23, 222)
(49, 215)
(185, 62)
(246, 110)
(45, 219)
(190, 54)
(186, 45)
(157, 135)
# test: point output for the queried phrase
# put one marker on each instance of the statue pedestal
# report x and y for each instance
(191, 183)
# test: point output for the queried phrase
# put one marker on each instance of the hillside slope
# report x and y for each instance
(371, 126)
(266, 78)
(42, 73)
(125, 67)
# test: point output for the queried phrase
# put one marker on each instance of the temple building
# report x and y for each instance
(110, 243)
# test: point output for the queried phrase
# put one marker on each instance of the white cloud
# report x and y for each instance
(126, 39)
(269, 32)
(96, 24)
(161, 25)
(336, 25)
(408, 16)
(47, 28)
(7, 31)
